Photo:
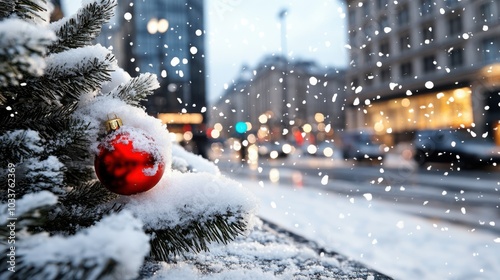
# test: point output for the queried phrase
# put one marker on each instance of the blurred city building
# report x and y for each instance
(275, 106)
(57, 13)
(422, 65)
(167, 38)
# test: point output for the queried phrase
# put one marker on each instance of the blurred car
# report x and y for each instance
(326, 149)
(458, 146)
(361, 145)
(274, 149)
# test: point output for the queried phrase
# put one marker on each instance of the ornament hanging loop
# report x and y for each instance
(113, 124)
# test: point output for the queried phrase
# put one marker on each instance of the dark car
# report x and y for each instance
(362, 145)
(462, 147)
(274, 149)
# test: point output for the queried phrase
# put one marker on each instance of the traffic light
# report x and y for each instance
(241, 127)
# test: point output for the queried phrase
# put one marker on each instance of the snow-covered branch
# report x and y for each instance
(82, 28)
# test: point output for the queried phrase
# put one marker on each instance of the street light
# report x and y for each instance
(282, 16)
(157, 26)
(160, 26)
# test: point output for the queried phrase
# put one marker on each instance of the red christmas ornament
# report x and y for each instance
(128, 161)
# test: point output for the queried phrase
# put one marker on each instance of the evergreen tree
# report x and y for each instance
(58, 220)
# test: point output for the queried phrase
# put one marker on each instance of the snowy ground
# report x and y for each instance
(361, 229)
(372, 232)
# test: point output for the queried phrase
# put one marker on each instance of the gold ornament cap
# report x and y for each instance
(113, 124)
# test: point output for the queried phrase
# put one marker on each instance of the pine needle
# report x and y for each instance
(166, 244)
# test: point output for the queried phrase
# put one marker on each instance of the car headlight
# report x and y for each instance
(286, 148)
(328, 152)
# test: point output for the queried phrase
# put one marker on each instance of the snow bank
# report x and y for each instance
(184, 197)
(185, 160)
(264, 254)
(397, 244)
(118, 237)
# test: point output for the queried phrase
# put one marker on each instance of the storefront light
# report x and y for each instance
(379, 127)
(152, 26)
(307, 128)
(188, 136)
(263, 119)
(319, 117)
(215, 134)
(459, 93)
(162, 25)
(218, 126)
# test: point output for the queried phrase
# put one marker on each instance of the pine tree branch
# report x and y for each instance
(81, 29)
(112, 248)
(59, 135)
(70, 219)
(71, 146)
(7, 8)
(90, 194)
(63, 269)
(137, 89)
(66, 83)
(30, 211)
(17, 145)
(22, 49)
(196, 236)
(32, 218)
(46, 120)
(69, 140)
(25, 9)
(81, 208)
(71, 83)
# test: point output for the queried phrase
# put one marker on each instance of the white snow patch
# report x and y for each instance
(120, 234)
(27, 203)
(185, 196)
(407, 247)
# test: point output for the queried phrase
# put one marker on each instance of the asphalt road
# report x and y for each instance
(438, 192)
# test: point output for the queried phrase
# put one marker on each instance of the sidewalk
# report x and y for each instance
(400, 245)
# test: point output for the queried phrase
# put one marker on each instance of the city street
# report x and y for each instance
(468, 197)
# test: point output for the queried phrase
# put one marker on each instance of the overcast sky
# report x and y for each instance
(244, 31)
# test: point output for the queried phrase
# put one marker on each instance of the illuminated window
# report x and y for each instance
(448, 109)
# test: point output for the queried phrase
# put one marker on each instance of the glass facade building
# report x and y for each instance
(165, 37)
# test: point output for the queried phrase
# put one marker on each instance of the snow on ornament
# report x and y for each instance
(128, 160)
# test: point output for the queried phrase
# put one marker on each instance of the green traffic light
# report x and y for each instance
(241, 127)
